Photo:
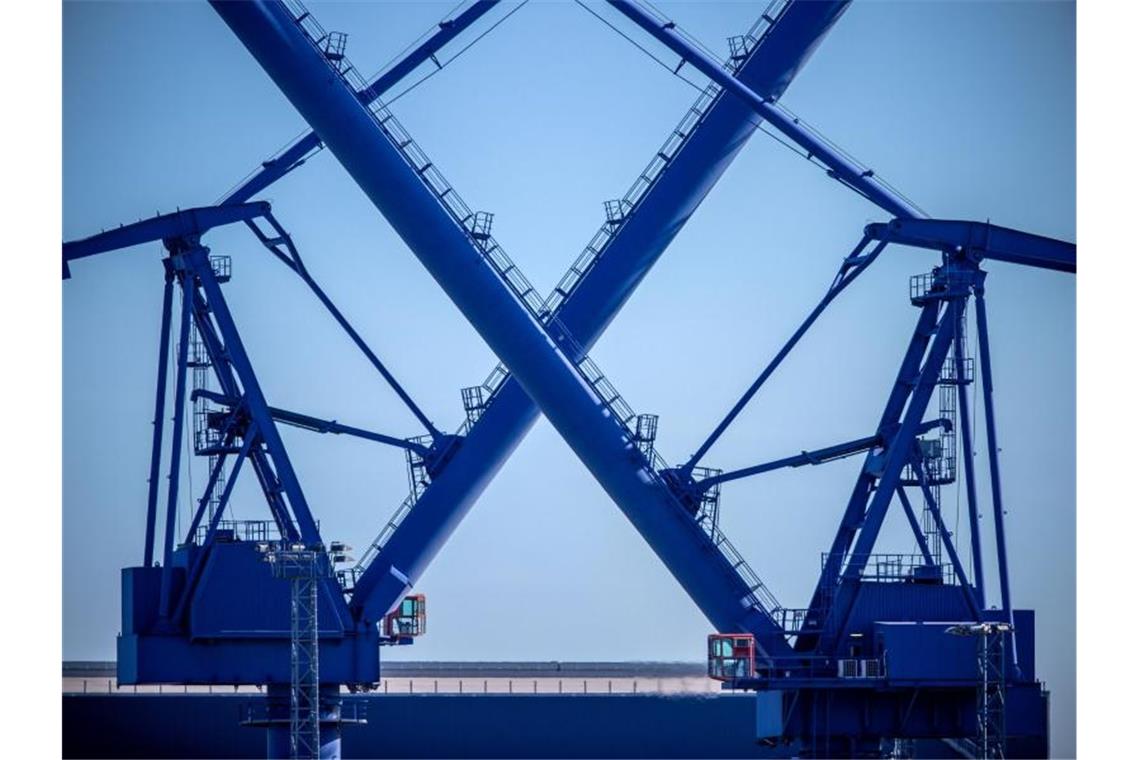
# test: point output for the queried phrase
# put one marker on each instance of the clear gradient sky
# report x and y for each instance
(967, 107)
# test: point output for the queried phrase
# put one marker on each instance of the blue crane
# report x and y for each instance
(708, 137)
(821, 673)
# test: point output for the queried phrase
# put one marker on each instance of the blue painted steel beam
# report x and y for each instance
(888, 422)
(965, 427)
(252, 438)
(318, 425)
(167, 583)
(199, 264)
(159, 415)
(887, 473)
(899, 448)
(189, 225)
(979, 240)
(228, 380)
(853, 266)
(297, 153)
(281, 245)
(261, 439)
(857, 177)
(819, 456)
(635, 247)
(992, 445)
(453, 258)
(208, 491)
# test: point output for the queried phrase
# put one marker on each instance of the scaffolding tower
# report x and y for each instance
(990, 705)
(304, 567)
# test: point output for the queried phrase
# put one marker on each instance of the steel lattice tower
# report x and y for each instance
(991, 690)
(304, 568)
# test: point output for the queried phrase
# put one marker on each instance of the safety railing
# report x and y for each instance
(898, 568)
(418, 480)
(242, 530)
(790, 619)
(940, 283)
(741, 47)
(802, 667)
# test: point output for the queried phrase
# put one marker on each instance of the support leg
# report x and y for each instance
(964, 425)
(159, 416)
(176, 448)
(995, 472)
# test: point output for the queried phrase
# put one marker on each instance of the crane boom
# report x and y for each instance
(551, 373)
(190, 222)
(632, 250)
(842, 167)
(980, 239)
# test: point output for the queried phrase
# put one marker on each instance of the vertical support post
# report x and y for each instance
(992, 451)
(964, 426)
(176, 445)
(992, 447)
(299, 268)
(847, 274)
(159, 415)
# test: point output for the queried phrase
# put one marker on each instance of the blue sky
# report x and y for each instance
(967, 107)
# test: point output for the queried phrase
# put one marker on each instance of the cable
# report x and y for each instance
(440, 66)
(426, 33)
(373, 78)
(675, 71)
(759, 124)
